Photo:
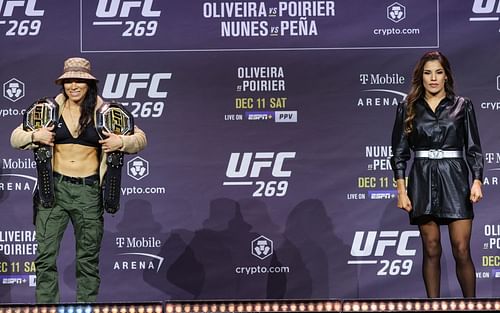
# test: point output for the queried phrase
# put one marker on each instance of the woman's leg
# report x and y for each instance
(460, 233)
(431, 265)
(50, 226)
(88, 224)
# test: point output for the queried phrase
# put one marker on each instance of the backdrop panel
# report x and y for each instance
(266, 173)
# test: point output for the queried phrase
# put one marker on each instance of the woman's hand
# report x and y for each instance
(44, 136)
(475, 192)
(404, 202)
(403, 199)
(112, 143)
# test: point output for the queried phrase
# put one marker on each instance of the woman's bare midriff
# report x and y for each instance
(76, 160)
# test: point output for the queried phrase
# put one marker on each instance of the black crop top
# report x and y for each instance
(88, 137)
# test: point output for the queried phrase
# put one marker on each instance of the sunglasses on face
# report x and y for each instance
(74, 80)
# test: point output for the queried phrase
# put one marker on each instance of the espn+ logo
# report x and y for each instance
(247, 169)
(368, 247)
(130, 86)
(28, 26)
(118, 12)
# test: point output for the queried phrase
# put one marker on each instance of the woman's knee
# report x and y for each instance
(432, 248)
(461, 251)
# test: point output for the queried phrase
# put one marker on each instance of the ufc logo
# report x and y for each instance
(39, 114)
(486, 6)
(29, 7)
(380, 241)
(137, 81)
(111, 8)
(118, 121)
(254, 164)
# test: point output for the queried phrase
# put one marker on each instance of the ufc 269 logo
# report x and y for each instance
(30, 26)
(485, 11)
(375, 247)
(486, 6)
(248, 168)
(127, 86)
(118, 12)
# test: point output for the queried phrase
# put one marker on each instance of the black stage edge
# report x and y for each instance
(254, 306)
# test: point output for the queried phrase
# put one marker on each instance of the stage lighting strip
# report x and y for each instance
(241, 307)
(85, 308)
(423, 305)
(414, 305)
(452, 305)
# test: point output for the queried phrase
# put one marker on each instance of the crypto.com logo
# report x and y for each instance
(138, 168)
(13, 89)
(262, 247)
(396, 12)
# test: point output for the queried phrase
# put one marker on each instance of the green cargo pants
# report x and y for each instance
(81, 204)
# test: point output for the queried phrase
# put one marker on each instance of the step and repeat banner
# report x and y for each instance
(267, 171)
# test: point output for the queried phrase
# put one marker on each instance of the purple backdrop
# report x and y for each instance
(269, 123)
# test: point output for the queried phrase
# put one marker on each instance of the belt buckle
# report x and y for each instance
(436, 154)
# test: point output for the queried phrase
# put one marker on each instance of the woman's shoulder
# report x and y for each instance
(462, 101)
(402, 105)
(60, 99)
(99, 102)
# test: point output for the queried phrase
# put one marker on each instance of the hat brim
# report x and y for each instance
(74, 75)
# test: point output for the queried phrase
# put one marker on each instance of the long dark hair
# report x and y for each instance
(417, 90)
(88, 105)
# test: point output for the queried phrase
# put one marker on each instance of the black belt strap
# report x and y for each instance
(112, 182)
(43, 157)
(112, 117)
(43, 113)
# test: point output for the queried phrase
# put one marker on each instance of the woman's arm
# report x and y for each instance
(473, 150)
(21, 139)
(134, 143)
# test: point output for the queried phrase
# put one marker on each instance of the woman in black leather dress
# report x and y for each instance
(441, 129)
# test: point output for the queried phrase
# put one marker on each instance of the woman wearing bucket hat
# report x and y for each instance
(79, 164)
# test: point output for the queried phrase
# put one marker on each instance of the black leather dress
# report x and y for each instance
(438, 188)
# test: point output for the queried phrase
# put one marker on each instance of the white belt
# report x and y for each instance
(438, 154)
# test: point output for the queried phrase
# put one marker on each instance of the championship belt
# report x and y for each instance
(43, 113)
(112, 117)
